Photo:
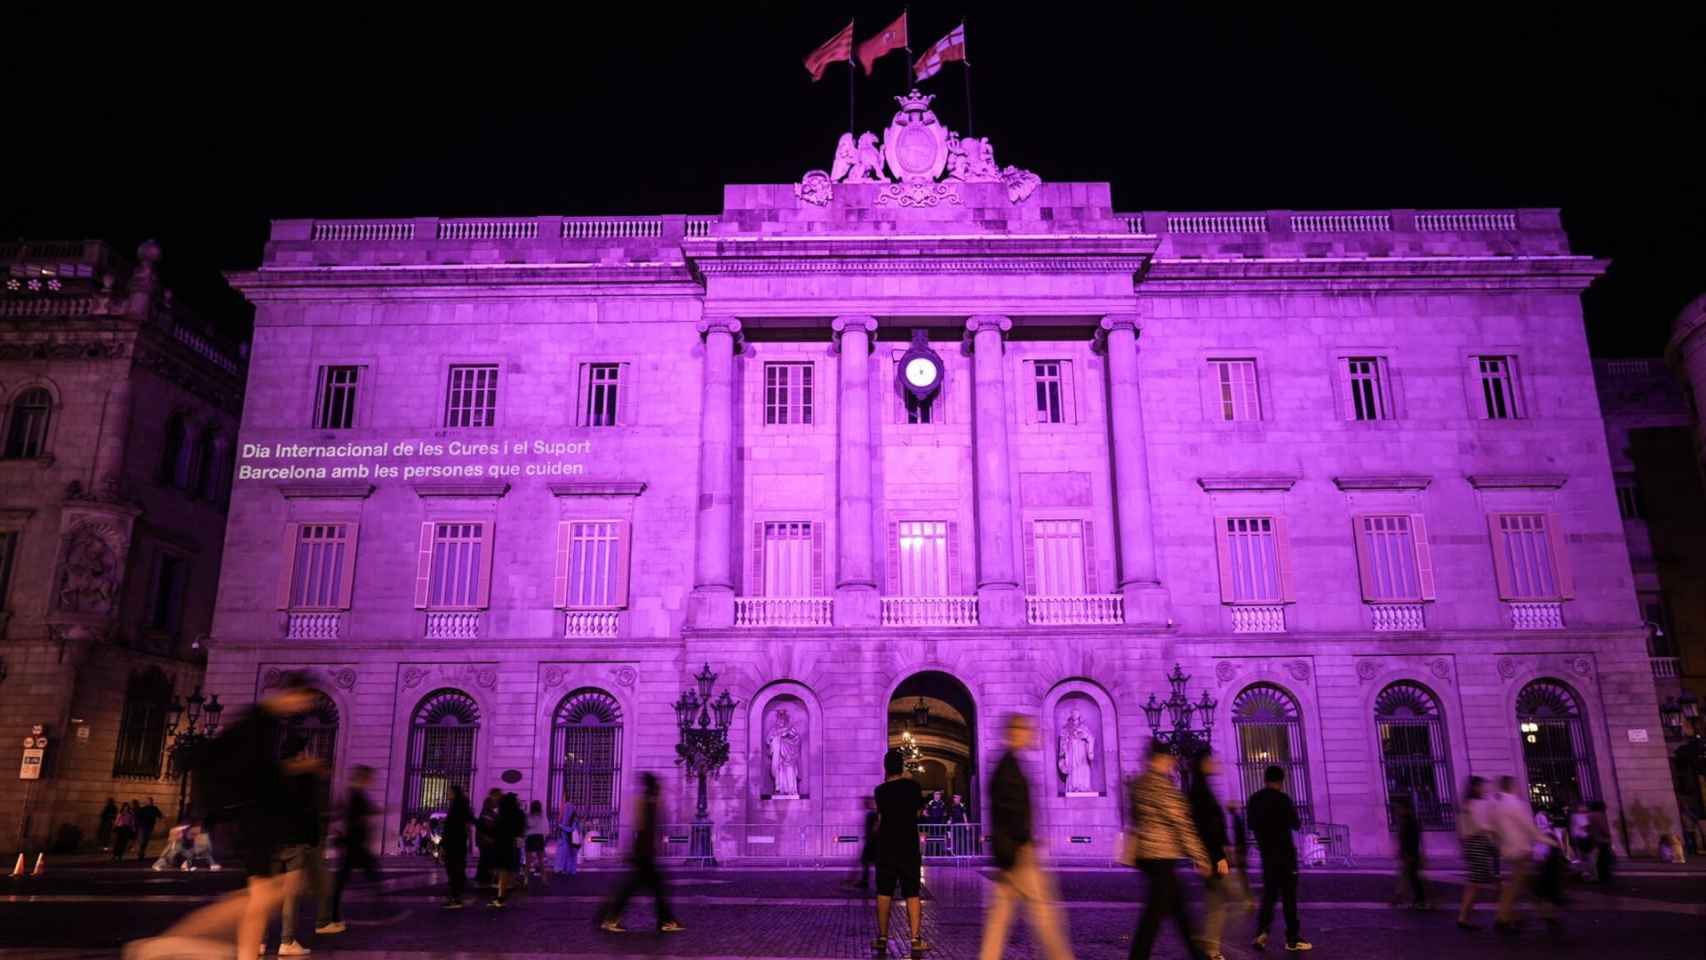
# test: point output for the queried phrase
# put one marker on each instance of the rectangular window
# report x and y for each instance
(458, 564)
(601, 394)
(1497, 376)
(1527, 549)
(1629, 500)
(1250, 560)
(334, 405)
(1392, 558)
(166, 599)
(1058, 558)
(592, 564)
(322, 562)
(1655, 611)
(787, 393)
(788, 559)
(1237, 395)
(8, 554)
(919, 411)
(1365, 388)
(472, 399)
(1052, 383)
(923, 558)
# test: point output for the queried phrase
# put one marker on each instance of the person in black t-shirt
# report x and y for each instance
(899, 801)
(643, 873)
(357, 850)
(1273, 818)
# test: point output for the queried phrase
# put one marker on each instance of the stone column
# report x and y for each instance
(857, 600)
(1146, 600)
(1000, 600)
(713, 603)
(108, 478)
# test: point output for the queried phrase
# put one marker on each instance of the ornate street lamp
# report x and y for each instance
(202, 716)
(921, 713)
(704, 746)
(1182, 738)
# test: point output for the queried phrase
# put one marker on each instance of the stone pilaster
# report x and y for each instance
(1000, 600)
(712, 603)
(1686, 354)
(1146, 601)
(108, 478)
(857, 600)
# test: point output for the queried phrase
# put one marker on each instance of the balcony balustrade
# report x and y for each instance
(452, 625)
(590, 623)
(929, 611)
(1072, 611)
(313, 626)
(1262, 618)
(1390, 617)
(1537, 616)
(783, 611)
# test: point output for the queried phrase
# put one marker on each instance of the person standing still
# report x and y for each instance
(1273, 817)
(458, 820)
(1410, 885)
(1160, 833)
(1020, 873)
(484, 871)
(570, 836)
(643, 872)
(147, 816)
(124, 827)
(535, 843)
(899, 863)
(506, 846)
(104, 833)
(1220, 888)
(357, 848)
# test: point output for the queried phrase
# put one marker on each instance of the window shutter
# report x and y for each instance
(796, 393)
(1478, 402)
(484, 587)
(1068, 394)
(1501, 561)
(624, 534)
(1208, 389)
(1092, 582)
(1388, 391)
(1282, 550)
(755, 585)
(818, 588)
(291, 534)
(582, 384)
(346, 583)
(897, 390)
(1365, 563)
(423, 567)
(1424, 556)
(1029, 532)
(1513, 379)
(1560, 558)
(1348, 405)
(1028, 378)
(956, 586)
(894, 558)
(1223, 551)
(560, 576)
(625, 394)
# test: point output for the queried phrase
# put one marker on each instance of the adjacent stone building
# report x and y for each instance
(118, 428)
(918, 442)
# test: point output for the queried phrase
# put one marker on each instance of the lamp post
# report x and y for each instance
(200, 718)
(704, 747)
(1183, 739)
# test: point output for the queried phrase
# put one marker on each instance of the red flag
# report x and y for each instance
(890, 39)
(950, 47)
(838, 47)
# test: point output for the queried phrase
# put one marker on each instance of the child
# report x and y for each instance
(536, 842)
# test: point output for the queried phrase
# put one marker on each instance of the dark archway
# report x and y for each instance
(931, 716)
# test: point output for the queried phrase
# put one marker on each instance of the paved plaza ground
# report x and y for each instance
(89, 910)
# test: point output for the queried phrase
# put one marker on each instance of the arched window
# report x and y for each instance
(1555, 747)
(1269, 731)
(1413, 753)
(586, 757)
(26, 435)
(317, 728)
(172, 449)
(142, 725)
(442, 736)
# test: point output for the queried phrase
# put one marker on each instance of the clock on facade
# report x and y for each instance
(920, 368)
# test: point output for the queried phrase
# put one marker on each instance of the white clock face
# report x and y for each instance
(920, 372)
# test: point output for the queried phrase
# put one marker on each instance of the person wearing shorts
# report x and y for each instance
(899, 863)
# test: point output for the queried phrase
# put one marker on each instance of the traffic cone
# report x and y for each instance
(18, 870)
(41, 865)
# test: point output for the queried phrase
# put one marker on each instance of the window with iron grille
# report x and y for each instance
(142, 725)
(601, 386)
(789, 559)
(594, 559)
(1387, 553)
(923, 559)
(323, 554)
(586, 759)
(1365, 388)
(1267, 727)
(443, 735)
(1058, 551)
(166, 598)
(314, 732)
(1415, 761)
(1527, 562)
(472, 399)
(8, 556)
(1053, 402)
(1237, 396)
(1252, 559)
(334, 405)
(26, 435)
(458, 555)
(787, 393)
(1629, 499)
(1556, 750)
(1499, 398)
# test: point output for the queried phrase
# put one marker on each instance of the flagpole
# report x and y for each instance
(850, 66)
(965, 66)
(906, 15)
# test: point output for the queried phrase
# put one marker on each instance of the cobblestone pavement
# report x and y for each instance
(90, 911)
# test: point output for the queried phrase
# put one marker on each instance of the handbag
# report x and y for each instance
(1126, 855)
(576, 838)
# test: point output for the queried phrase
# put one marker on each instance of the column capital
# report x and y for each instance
(719, 324)
(1115, 322)
(855, 323)
(984, 323)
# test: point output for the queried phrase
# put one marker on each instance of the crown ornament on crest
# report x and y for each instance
(915, 102)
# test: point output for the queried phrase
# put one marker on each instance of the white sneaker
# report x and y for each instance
(336, 926)
(214, 866)
(158, 868)
(290, 948)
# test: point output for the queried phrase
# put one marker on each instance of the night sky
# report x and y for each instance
(198, 127)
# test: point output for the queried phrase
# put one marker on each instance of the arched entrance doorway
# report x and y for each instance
(932, 719)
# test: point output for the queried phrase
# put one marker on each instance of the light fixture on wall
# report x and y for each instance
(921, 713)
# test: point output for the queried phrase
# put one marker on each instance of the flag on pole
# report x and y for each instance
(888, 40)
(950, 47)
(838, 47)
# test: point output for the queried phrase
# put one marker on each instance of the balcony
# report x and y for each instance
(1075, 611)
(783, 611)
(1667, 668)
(313, 626)
(1396, 617)
(452, 625)
(1258, 618)
(1537, 616)
(929, 611)
(590, 623)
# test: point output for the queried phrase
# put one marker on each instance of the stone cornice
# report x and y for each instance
(1240, 275)
(1383, 482)
(1512, 481)
(325, 490)
(920, 253)
(514, 280)
(460, 488)
(839, 265)
(1269, 484)
(596, 488)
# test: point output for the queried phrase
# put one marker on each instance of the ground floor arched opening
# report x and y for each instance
(933, 721)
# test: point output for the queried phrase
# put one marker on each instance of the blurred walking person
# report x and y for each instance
(1159, 833)
(900, 863)
(484, 874)
(357, 842)
(643, 872)
(1240, 851)
(458, 821)
(507, 830)
(1512, 820)
(1411, 889)
(104, 833)
(307, 784)
(1480, 853)
(147, 817)
(124, 827)
(1273, 817)
(1220, 888)
(1020, 873)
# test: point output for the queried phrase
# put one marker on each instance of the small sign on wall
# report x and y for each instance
(1637, 735)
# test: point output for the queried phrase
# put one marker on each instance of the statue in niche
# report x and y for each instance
(1077, 750)
(88, 579)
(783, 745)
